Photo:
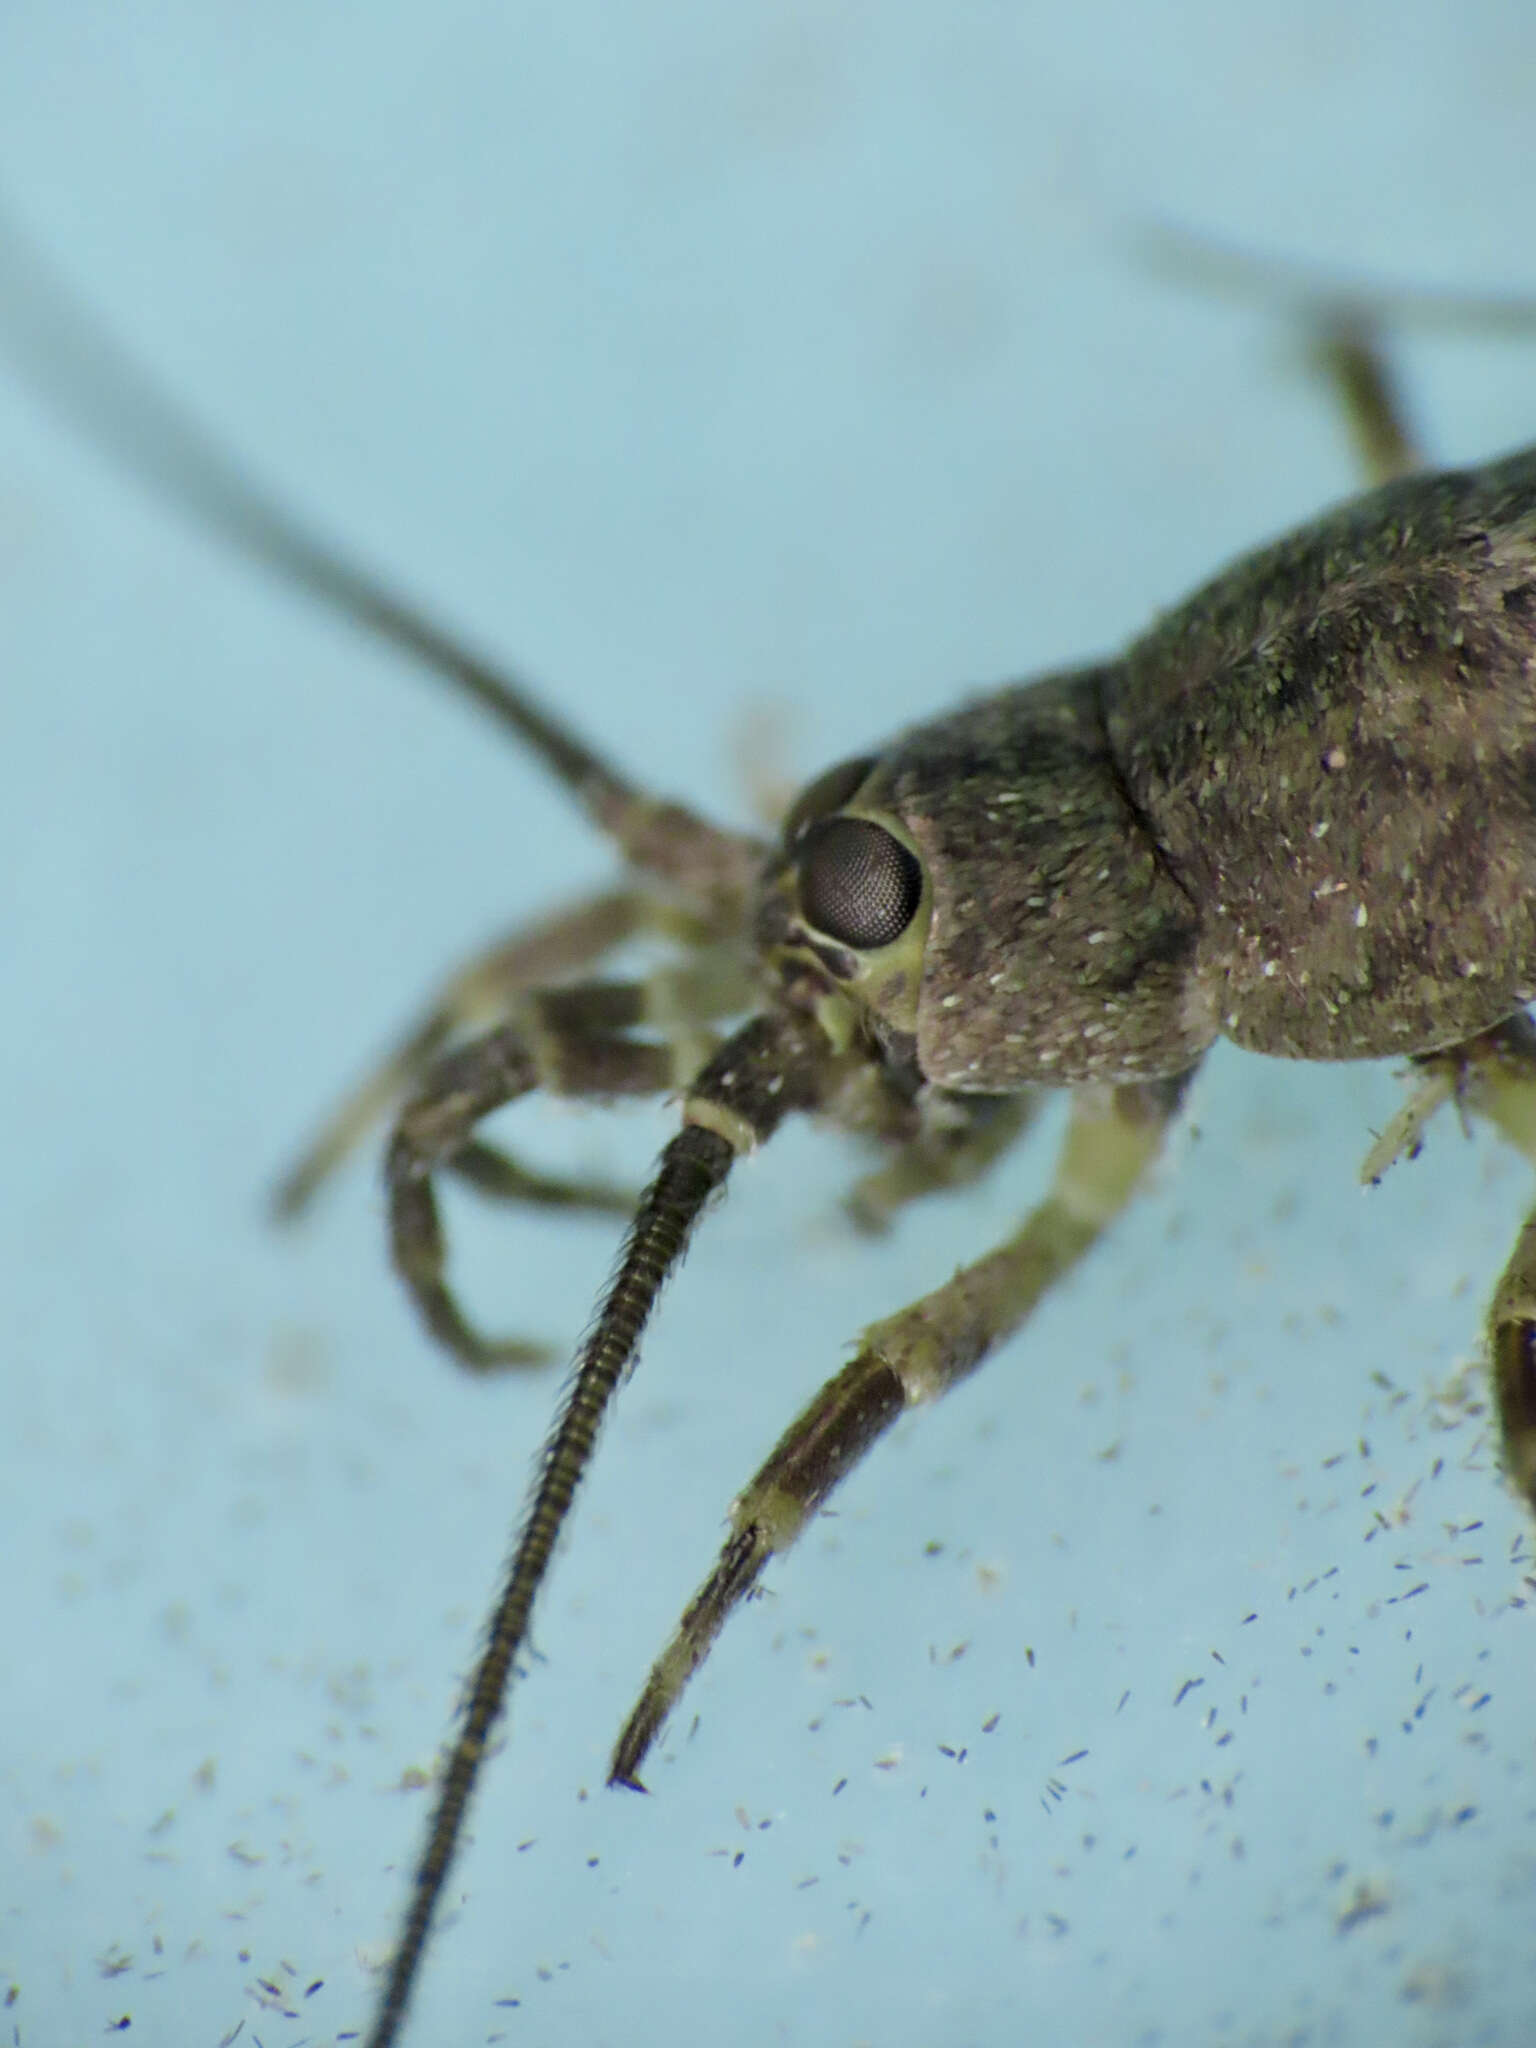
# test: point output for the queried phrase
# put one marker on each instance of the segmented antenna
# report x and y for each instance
(694, 1164)
(772, 1065)
(73, 359)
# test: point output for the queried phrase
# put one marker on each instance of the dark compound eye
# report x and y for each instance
(858, 884)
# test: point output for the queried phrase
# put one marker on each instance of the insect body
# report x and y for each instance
(1300, 813)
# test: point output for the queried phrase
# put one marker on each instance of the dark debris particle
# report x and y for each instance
(1365, 1905)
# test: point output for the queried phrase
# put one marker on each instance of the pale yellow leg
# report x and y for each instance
(904, 1361)
(1493, 1076)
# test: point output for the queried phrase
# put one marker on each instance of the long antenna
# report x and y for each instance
(73, 359)
(692, 1167)
(774, 1064)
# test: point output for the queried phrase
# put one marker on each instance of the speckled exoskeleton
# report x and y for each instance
(1299, 813)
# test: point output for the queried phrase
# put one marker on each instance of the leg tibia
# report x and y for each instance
(908, 1358)
(436, 1130)
(481, 993)
(1512, 1346)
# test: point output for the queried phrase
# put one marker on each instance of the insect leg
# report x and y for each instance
(1346, 351)
(482, 992)
(1512, 1348)
(1496, 1079)
(1345, 317)
(958, 1142)
(568, 1041)
(1492, 1076)
(908, 1359)
(678, 1004)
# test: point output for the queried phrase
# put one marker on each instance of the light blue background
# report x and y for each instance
(710, 361)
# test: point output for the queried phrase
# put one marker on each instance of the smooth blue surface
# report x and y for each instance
(710, 361)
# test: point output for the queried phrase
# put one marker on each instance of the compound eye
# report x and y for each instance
(858, 884)
(829, 792)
